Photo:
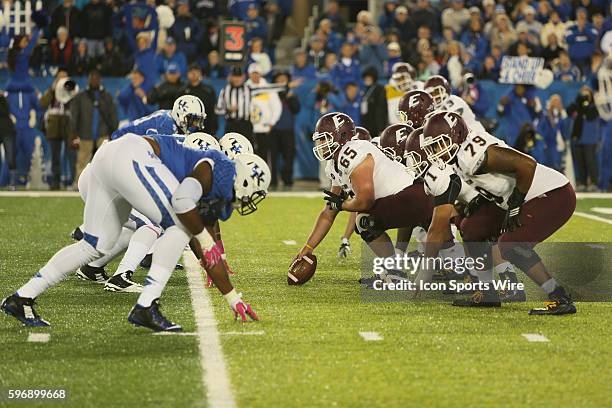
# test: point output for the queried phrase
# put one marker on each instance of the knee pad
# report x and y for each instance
(481, 250)
(366, 228)
(524, 257)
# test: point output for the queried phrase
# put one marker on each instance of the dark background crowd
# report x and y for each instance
(169, 48)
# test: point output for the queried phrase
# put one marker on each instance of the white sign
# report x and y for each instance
(520, 70)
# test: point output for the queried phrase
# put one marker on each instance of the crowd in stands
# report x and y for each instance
(167, 48)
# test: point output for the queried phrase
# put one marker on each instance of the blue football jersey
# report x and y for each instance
(159, 122)
(181, 161)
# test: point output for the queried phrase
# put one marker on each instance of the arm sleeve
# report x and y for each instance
(187, 194)
(220, 109)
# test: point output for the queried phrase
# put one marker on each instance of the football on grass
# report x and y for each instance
(302, 270)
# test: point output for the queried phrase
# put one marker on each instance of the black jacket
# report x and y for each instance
(165, 94)
(376, 118)
(81, 114)
(208, 96)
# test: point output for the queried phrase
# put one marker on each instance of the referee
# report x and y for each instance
(235, 104)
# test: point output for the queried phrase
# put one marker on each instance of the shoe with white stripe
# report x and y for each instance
(92, 274)
(123, 282)
(22, 309)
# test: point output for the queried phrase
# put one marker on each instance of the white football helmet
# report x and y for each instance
(234, 143)
(201, 141)
(253, 178)
(402, 74)
(188, 113)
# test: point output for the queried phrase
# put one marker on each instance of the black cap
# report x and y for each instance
(237, 71)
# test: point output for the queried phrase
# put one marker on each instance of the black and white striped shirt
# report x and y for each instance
(240, 96)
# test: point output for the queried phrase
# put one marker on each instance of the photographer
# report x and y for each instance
(472, 93)
(57, 120)
(585, 138)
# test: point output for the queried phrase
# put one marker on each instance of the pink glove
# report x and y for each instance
(243, 310)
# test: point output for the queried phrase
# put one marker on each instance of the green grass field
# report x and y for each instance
(310, 352)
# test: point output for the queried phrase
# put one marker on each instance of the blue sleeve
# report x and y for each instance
(28, 49)
(182, 62)
(124, 95)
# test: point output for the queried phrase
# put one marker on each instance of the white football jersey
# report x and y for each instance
(437, 180)
(498, 187)
(455, 104)
(390, 177)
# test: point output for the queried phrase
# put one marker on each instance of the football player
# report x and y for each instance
(187, 116)
(414, 108)
(165, 181)
(366, 182)
(344, 251)
(528, 202)
(137, 237)
(440, 90)
(401, 81)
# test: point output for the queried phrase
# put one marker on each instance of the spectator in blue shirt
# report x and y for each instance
(213, 68)
(170, 55)
(564, 8)
(144, 56)
(475, 41)
(385, 21)
(301, 68)
(255, 24)
(131, 97)
(394, 54)
(518, 107)
(564, 70)
(186, 31)
(347, 69)
(581, 39)
(349, 102)
(239, 8)
(372, 51)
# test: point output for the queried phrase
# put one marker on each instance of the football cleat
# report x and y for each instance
(92, 273)
(151, 318)
(480, 298)
(77, 234)
(123, 282)
(22, 309)
(560, 303)
(148, 259)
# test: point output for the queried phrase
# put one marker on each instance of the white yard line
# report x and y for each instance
(535, 338)
(592, 217)
(602, 210)
(290, 242)
(215, 377)
(38, 337)
(371, 336)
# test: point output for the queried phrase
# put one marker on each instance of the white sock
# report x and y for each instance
(549, 286)
(142, 240)
(503, 267)
(66, 260)
(168, 250)
(420, 235)
(120, 245)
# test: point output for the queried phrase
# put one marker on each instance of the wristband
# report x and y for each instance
(309, 247)
(232, 297)
(205, 240)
